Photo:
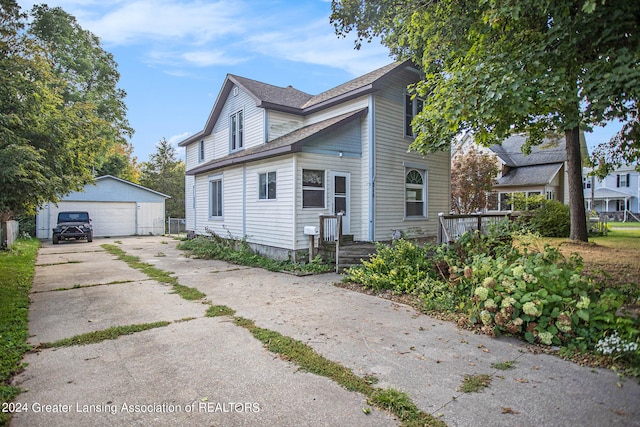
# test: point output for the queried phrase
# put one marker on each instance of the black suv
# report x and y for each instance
(73, 225)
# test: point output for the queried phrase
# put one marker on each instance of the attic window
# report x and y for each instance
(236, 124)
(235, 91)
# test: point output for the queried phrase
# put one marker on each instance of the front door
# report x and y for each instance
(341, 196)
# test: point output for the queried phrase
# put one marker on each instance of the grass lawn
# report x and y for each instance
(16, 274)
(623, 224)
(615, 257)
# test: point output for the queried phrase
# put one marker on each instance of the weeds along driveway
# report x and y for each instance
(196, 370)
(213, 360)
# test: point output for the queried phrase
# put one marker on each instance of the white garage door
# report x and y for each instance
(107, 218)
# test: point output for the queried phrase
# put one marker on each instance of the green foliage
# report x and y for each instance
(475, 383)
(16, 273)
(547, 218)
(61, 115)
(165, 174)
(220, 310)
(497, 68)
(103, 335)
(239, 252)
(551, 219)
(155, 273)
(540, 296)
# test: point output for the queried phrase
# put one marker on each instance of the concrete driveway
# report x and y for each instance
(208, 371)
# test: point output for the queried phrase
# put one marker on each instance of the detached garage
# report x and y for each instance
(116, 207)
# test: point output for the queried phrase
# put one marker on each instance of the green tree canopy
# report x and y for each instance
(49, 143)
(499, 67)
(165, 174)
(92, 76)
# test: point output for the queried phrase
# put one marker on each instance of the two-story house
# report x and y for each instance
(617, 194)
(270, 160)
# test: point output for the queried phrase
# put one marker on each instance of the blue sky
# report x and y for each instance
(173, 55)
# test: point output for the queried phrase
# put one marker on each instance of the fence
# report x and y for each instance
(176, 225)
(8, 234)
(451, 227)
(331, 228)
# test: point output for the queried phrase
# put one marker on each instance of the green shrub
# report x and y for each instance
(540, 296)
(552, 219)
(239, 252)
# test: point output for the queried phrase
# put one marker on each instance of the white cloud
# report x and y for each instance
(317, 44)
(175, 139)
(151, 20)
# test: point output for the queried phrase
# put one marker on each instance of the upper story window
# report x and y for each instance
(267, 186)
(201, 151)
(411, 108)
(236, 126)
(586, 182)
(622, 180)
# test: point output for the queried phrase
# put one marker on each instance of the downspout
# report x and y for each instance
(295, 208)
(372, 166)
(244, 200)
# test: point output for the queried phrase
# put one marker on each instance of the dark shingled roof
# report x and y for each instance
(552, 150)
(291, 100)
(529, 175)
(289, 143)
(266, 93)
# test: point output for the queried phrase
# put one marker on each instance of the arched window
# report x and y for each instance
(415, 193)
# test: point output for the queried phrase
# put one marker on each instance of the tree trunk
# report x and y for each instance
(574, 184)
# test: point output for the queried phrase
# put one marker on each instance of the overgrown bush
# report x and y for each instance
(238, 251)
(540, 296)
(548, 218)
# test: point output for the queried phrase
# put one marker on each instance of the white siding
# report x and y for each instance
(150, 219)
(329, 164)
(231, 221)
(282, 123)
(270, 222)
(346, 107)
(391, 154)
(253, 118)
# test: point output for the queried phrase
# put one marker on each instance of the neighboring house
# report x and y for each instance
(617, 195)
(270, 160)
(542, 172)
(116, 208)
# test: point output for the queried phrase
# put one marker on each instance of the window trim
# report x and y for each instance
(215, 179)
(236, 127)
(423, 187)
(266, 189)
(323, 189)
(201, 153)
(408, 118)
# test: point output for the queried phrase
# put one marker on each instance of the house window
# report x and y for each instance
(415, 192)
(313, 188)
(586, 183)
(201, 151)
(623, 180)
(215, 196)
(411, 108)
(505, 202)
(237, 133)
(267, 186)
(551, 195)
